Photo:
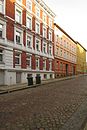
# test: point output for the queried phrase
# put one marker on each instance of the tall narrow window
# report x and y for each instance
(37, 45)
(44, 32)
(18, 37)
(1, 55)
(44, 48)
(1, 6)
(37, 12)
(50, 36)
(17, 58)
(37, 28)
(28, 60)
(1, 29)
(50, 65)
(18, 16)
(29, 23)
(37, 63)
(29, 4)
(29, 41)
(44, 64)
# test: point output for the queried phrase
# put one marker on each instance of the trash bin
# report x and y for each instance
(38, 79)
(30, 79)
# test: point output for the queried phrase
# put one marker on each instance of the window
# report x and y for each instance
(1, 55)
(1, 29)
(50, 36)
(57, 50)
(18, 16)
(61, 66)
(50, 50)
(44, 17)
(29, 41)
(1, 6)
(44, 32)
(17, 58)
(37, 28)
(18, 37)
(37, 63)
(50, 22)
(44, 48)
(57, 37)
(28, 61)
(37, 45)
(61, 53)
(44, 64)
(50, 65)
(29, 23)
(29, 4)
(19, 1)
(37, 12)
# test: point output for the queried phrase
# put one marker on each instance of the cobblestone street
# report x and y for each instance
(47, 107)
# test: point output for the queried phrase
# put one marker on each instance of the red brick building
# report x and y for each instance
(26, 40)
(65, 53)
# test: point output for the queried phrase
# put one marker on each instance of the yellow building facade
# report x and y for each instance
(81, 59)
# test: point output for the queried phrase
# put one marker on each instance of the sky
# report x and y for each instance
(71, 15)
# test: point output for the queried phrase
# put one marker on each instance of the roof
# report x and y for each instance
(81, 46)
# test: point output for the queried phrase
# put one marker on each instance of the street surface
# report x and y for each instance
(47, 107)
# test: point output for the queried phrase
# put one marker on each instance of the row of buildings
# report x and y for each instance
(31, 43)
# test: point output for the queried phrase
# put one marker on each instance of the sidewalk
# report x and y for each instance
(7, 89)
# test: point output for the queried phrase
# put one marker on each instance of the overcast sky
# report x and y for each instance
(72, 17)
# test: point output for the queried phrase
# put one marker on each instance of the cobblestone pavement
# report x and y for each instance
(47, 107)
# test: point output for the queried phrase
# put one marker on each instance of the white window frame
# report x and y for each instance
(44, 43)
(21, 31)
(1, 53)
(37, 61)
(50, 65)
(28, 58)
(20, 10)
(3, 29)
(44, 64)
(30, 7)
(19, 1)
(50, 22)
(28, 35)
(37, 13)
(30, 25)
(44, 33)
(39, 45)
(36, 29)
(50, 50)
(44, 18)
(50, 35)
(18, 57)
(2, 3)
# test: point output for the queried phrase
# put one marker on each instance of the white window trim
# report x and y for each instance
(16, 29)
(28, 8)
(49, 22)
(27, 16)
(46, 47)
(44, 68)
(35, 27)
(44, 14)
(30, 60)
(51, 36)
(37, 68)
(51, 49)
(17, 8)
(39, 44)
(2, 55)
(46, 32)
(31, 47)
(19, 2)
(19, 59)
(3, 12)
(4, 29)
(36, 7)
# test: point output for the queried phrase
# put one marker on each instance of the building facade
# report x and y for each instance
(81, 59)
(26, 41)
(65, 53)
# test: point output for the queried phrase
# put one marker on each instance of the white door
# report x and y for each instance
(1, 77)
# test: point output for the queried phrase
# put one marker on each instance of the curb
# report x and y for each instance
(36, 85)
